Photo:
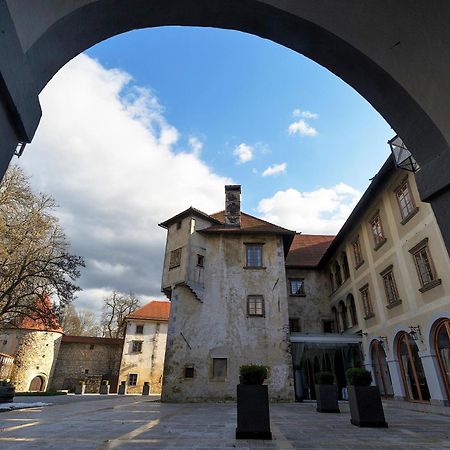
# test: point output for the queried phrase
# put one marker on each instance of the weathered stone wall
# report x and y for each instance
(81, 360)
(314, 307)
(148, 364)
(35, 355)
(219, 327)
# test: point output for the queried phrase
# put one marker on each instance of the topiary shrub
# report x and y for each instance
(359, 377)
(253, 374)
(324, 378)
(105, 382)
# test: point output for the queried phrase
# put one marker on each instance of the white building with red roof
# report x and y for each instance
(144, 347)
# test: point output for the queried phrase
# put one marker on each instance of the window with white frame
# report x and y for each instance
(132, 379)
(377, 230)
(405, 200)
(136, 346)
(255, 305)
(297, 286)
(357, 253)
(390, 287)
(254, 255)
(424, 265)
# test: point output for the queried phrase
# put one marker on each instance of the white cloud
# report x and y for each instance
(244, 153)
(105, 151)
(275, 169)
(196, 145)
(303, 128)
(322, 211)
(305, 114)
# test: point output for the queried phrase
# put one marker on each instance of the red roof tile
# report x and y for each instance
(307, 249)
(35, 323)
(155, 310)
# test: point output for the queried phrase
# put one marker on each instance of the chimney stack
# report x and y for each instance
(233, 205)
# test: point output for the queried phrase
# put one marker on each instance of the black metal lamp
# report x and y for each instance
(402, 156)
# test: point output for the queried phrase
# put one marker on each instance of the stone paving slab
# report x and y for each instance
(132, 422)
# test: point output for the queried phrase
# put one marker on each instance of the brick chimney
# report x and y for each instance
(233, 204)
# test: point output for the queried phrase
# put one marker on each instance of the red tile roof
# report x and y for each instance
(33, 322)
(249, 224)
(155, 310)
(307, 249)
(92, 340)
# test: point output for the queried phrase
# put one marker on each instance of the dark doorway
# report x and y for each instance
(37, 384)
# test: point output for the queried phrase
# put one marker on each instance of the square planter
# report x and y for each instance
(253, 420)
(7, 394)
(327, 398)
(365, 407)
(80, 388)
(122, 388)
(104, 389)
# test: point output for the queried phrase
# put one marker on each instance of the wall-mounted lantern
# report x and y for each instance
(402, 156)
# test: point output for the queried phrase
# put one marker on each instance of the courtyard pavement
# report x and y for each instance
(136, 422)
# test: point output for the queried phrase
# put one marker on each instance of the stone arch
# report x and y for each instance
(345, 265)
(351, 306)
(38, 383)
(342, 308)
(440, 347)
(337, 273)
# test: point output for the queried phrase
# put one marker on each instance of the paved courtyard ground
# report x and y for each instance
(136, 422)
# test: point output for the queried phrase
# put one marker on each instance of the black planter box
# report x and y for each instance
(366, 407)
(253, 420)
(327, 398)
(7, 394)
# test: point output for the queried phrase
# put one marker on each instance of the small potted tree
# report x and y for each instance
(253, 420)
(104, 387)
(366, 408)
(80, 387)
(146, 388)
(326, 393)
(7, 391)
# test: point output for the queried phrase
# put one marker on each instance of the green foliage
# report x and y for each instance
(359, 377)
(105, 382)
(324, 378)
(6, 383)
(253, 374)
(40, 394)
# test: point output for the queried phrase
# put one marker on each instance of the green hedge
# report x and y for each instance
(324, 378)
(359, 377)
(253, 374)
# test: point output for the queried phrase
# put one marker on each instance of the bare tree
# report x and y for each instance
(35, 262)
(80, 322)
(116, 308)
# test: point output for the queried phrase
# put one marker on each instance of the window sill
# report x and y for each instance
(430, 285)
(255, 315)
(297, 295)
(359, 265)
(254, 268)
(410, 216)
(369, 316)
(394, 304)
(380, 244)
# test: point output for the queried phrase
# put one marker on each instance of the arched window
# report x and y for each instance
(335, 318)
(345, 266)
(414, 379)
(343, 314)
(37, 384)
(337, 274)
(332, 281)
(381, 369)
(442, 348)
(352, 307)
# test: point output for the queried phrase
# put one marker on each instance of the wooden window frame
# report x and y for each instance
(377, 348)
(134, 383)
(139, 329)
(175, 258)
(302, 289)
(357, 252)
(418, 248)
(136, 346)
(379, 238)
(390, 286)
(248, 246)
(398, 192)
(189, 372)
(250, 298)
(214, 378)
(366, 300)
(443, 323)
(200, 260)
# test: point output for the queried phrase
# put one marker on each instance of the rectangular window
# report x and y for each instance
(297, 286)
(189, 372)
(294, 325)
(139, 329)
(192, 226)
(200, 260)
(175, 258)
(219, 368)
(390, 287)
(357, 253)
(405, 201)
(377, 231)
(255, 305)
(132, 379)
(136, 346)
(424, 266)
(367, 302)
(254, 254)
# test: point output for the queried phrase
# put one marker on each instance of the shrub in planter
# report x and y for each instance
(122, 388)
(7, 391)
(326, 393)
(253, 420)
(365, 401)
(104, 387)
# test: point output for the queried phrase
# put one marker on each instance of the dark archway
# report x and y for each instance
(37, 384)
(395, 55)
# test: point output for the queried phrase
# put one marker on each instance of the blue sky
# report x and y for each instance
(230, 87)
(146, 124)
